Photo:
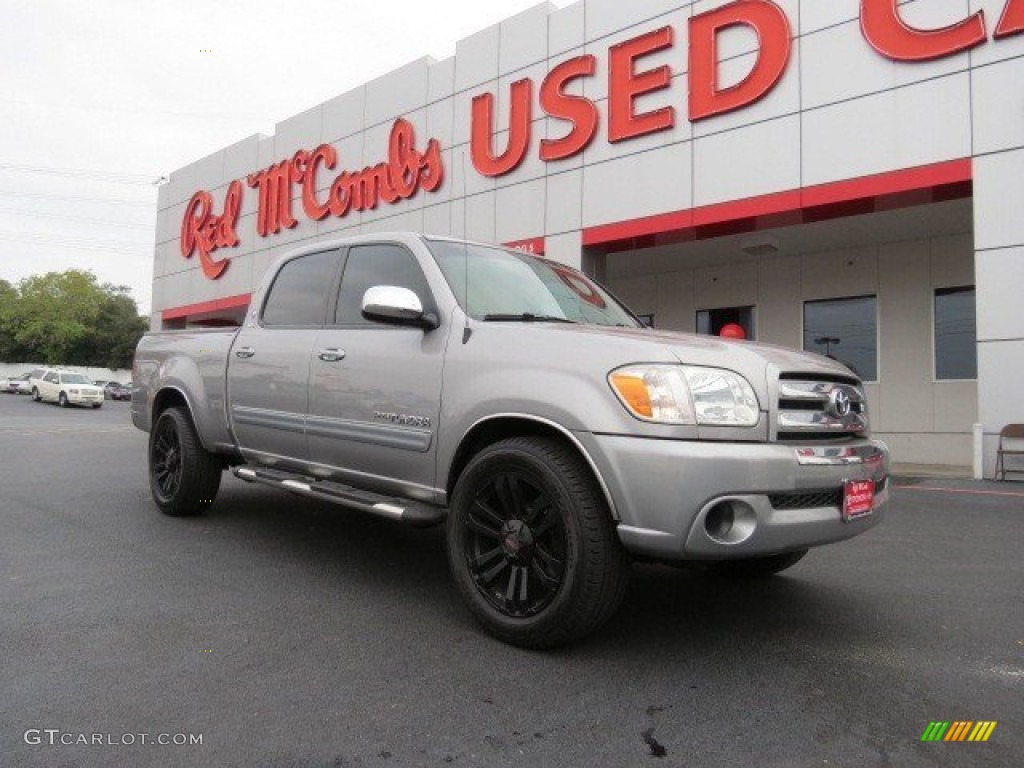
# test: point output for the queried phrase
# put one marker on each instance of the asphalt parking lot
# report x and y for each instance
(291, 633)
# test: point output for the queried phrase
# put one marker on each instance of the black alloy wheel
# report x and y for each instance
(532, 544)
(165, 456)
(183, 476)
(515, 542)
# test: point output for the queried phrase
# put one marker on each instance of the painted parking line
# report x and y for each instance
(966, 491)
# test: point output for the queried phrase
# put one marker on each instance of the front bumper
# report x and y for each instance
(669, 495)
(84, 398)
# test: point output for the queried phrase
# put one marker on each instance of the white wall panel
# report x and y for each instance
(839, 64)
(476, 58)
(747, 162)
(998, 106)
(566, 248)
(917, 125)
(520, 211)
(564, 202)
(397, 93)
(606, 17)
(638, 185)
(1000, 289)
(437, 219)
(524, 38)
(566, 29)
(1000, 373)
(441, 80)
(241, 159)
(998, 191)
(343, 115)
(304, 131)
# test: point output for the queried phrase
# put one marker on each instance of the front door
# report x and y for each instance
(375, 388)
(268, 365)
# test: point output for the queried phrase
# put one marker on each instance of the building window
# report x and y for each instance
(845, 330)
(712, 322)
(956, 349)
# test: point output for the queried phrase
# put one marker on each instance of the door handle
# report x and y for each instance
(245, 352)
(331, 355)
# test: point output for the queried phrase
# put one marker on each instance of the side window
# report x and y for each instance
(299, 292)
(51, 377)
(37, 373)
(371, 265)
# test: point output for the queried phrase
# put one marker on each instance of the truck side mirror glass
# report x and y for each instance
(391, 303)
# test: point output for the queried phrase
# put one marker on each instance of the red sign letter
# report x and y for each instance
(890, 36)
(520, 114)
(625, 84)
(204, 231)
(1012, 20)
(578, 110)
(772, 28)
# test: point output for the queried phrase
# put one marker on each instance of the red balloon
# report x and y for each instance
(733, 331)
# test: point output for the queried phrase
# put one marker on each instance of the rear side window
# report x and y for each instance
(299, 292)
(371, 265)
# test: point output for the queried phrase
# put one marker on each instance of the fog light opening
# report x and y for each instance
(719, 520)
(730, 522)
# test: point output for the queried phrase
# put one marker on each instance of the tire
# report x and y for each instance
(35, 395)
(183, 476)
(62, 400)
(532, 546)
(97, 405)
(756, 567)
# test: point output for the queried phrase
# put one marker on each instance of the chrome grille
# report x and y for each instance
(813, 408)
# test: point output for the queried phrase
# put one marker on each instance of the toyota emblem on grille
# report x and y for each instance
(839, 403)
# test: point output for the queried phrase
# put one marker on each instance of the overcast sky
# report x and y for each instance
(102, 98)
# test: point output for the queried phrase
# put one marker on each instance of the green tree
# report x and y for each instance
(68, 318)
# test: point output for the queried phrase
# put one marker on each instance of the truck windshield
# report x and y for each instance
(505, 285)
(74, 378)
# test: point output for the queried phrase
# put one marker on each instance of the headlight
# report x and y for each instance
(682, 394)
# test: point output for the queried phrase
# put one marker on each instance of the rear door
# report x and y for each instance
(268, 365)
(375, 387)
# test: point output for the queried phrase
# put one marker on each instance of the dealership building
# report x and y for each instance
(841, 176)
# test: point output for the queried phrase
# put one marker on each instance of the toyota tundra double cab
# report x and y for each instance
(518, 403)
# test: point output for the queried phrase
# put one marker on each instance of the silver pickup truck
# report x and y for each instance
(516, 401)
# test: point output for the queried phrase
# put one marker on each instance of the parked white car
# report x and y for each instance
(16, 385)
(66, 388)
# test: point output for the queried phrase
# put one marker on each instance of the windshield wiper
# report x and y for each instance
(527, 317)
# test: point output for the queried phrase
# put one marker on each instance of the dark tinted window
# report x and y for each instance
(300, 290)
(956, 349)
(845, 330)
(371, 265)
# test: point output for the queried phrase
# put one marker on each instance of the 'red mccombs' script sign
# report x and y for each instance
(400, 177)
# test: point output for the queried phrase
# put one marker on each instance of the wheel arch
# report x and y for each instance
(492, 429)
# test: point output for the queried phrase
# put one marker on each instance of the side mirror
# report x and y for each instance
(393, 304)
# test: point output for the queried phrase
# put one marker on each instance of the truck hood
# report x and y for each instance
(759, 363)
